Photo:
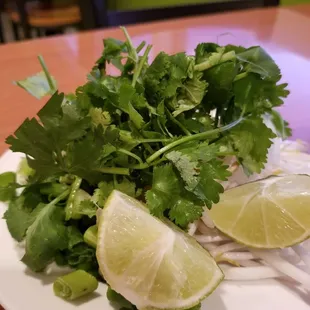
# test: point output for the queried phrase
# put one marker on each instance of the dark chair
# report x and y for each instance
(2, 9)
(96, 13)
(43, 17)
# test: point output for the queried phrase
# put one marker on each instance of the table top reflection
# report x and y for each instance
(283, 32)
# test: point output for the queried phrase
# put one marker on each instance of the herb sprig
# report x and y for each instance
(158, 131)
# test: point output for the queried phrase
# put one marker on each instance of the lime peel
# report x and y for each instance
(269, 213)
(150, 263)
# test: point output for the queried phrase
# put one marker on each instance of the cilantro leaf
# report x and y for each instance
(256, 60)
(220, 84)
(252, 139)
(281, 126)
(83, 100)
(165, 185)
(74, 237)
(200, 171)
(208, 189)
(190, 94)
(37, 85)
(105, 189)
(139, 102)
(82, 157)
(19, 215)
(87, 207)
(204, 50)
(188, 168)
(196, 122)
(255, 94)
(24, 171)
(44, 144)
(168, 194)
(18, 218)
(236, 48)
(154, 77)
(165, 76)
(99, 117)
(33, 195)
(126, 93)
(7, 186)
(45, 236)
(184, 211)
(111, 54)
(82, 256)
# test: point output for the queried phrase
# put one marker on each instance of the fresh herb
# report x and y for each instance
(47, 221)
(7, 186)
(159, 131)
(40, 84)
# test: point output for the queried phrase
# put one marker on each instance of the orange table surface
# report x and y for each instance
(283, 32)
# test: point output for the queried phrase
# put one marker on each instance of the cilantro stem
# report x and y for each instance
(141, 134)
(153, 140)
(138, 69)
(70, 202)
(221, 58)
(240, 76)
(163, 128)
(132, 52)
(131, 155)
(140, 46)
(47, 74)
(140, 166)
(146, 165)
(114, 170)
(198, 136)
(60, 197)
(176, 122)
(131, 47)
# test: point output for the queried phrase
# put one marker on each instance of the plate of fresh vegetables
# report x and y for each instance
(172, 185)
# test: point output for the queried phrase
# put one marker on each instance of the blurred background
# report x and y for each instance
(28, 19)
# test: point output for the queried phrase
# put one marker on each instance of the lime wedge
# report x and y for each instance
(270, 213)
(152, 264)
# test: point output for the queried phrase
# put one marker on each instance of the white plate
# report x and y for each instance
(21, 289)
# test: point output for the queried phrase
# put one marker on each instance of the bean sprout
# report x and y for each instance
(192, 228)
(236, 256)
(273, 259)
(206, 219)
(250, 273)
(291, 256)
(208, 239)
(227, 247)
(304, 255)
(249, 263)
(204, 229)
(210, 246)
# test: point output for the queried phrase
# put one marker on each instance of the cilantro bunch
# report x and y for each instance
(159, 131)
